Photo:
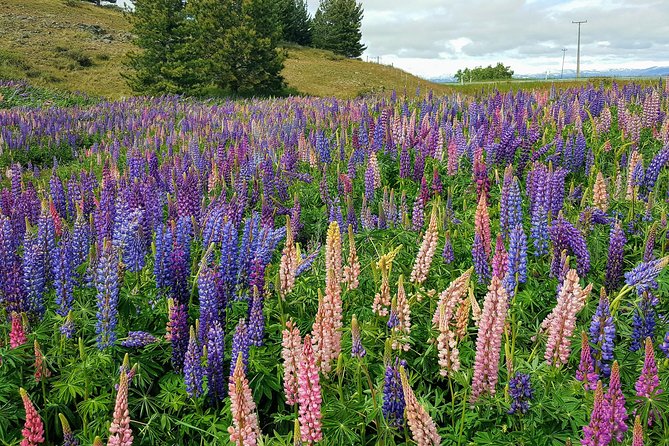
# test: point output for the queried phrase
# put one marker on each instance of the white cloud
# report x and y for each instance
(434, 37)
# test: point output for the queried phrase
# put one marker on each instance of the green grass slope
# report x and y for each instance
(82, 47)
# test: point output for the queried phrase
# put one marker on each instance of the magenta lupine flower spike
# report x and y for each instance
(637, 436)
(291, 354)
(500, 260)
(423, 429)
(598, 432)
(309, 395)
(17, 335)
(616, 401)
(41, 370)
(648, 382)
(33, 429)
(245, 430)
(561, 322)
(586, 368)
(489, 339)
(120, 431)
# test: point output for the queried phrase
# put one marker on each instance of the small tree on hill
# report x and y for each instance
(229, 45)
(337, 27)
(161, 65)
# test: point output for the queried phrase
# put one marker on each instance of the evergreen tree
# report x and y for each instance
(295, 22)
(336, 27)
(161, 66)
(227, 45)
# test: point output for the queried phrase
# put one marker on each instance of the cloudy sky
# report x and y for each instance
(436, 37)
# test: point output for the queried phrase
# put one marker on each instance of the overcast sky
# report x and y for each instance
(436, 37)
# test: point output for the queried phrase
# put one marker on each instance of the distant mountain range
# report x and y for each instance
(571, 74)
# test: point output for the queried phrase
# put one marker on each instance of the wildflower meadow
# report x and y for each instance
(404, 269)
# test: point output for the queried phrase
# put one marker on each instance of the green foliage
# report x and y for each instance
(295, 22)
(207, 45)
(337, 26)
(489, 73)
(161, 65)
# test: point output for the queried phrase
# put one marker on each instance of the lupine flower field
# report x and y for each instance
(410, 269)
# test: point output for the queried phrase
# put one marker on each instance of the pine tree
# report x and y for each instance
(337, 27)
(295, 22)
(161, 66)
(229, 46)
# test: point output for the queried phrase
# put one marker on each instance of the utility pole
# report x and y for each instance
(564, 51)
(578, 48)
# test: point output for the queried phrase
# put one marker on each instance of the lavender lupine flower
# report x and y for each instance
(447, 253)
(644, 276)
(229, 266)
(81, 240)
(67, 329)
(539, 231)
(393, 395)
(564, 235)
(46, 238)
(616, 401)
(650, 244)
(138, 339)
(518, 254)
(179, 272)
(163, 244)
(643, 320)
(665, 344)
(357, 350)
(511, 213)
(240, 344)
(193, 372)
(134, 246)
(602, 336)
(256, 317)
(480, 258)
(521, 392)
(215, 376)
(209, 301)
(307, 261)
(177, 332)
(64, 276)
(107, 285)
(34, 273)
(614, 262)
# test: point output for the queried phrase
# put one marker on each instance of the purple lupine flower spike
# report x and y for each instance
(240, 344)
(215, 376)
(393, 395)
(521, 392)
(614, 262)
(107, 285)
(193, 371)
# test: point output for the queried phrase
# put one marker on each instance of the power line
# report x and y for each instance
(578, 48)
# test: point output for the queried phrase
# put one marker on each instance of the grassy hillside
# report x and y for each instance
(82, 47)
